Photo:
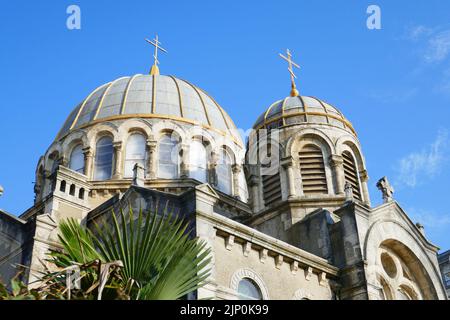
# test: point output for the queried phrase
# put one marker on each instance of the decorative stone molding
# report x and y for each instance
(249, 274)
(247, 248)
(278, 261)
(229, 242)
(294, 267)
(323, 281)
(302, 294)
(308, 273)
(263, 255)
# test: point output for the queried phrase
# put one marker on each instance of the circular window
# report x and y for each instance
(388, 265)
(248, 290)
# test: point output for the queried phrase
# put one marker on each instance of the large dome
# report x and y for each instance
(147, 96)
(302, 109)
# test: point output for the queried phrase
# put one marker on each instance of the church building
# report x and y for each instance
(286, 213)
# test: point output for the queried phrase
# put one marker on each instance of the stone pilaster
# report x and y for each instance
(117, 173)
(337, 165)
(184, 167)
(364, 177)
(236, 168)
(212, 167)
(151, 159)
(288, 165)
(88, 161)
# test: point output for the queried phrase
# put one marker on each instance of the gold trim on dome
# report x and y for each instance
(201, 100)
(222, 112)
(158, 116)
(296, 114)
(104, 95)
(180, 99)
(84, 104)
(125, 95)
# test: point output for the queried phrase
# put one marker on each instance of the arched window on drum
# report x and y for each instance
(103, 159)
(312, 170)
(134, 153)
(198, 161)
(76, 162)
(351, 174)
(169, 158)
(224, 173)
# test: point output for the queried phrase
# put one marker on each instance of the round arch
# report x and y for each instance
(250, 274)
(396, 237)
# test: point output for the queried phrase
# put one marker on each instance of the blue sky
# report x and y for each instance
(393, 84)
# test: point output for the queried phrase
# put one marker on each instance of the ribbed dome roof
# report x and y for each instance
(147, 96)
(302, 109)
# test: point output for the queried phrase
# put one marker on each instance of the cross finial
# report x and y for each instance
(155, 42)
(294, 91)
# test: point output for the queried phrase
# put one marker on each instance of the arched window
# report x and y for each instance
(249, 290)
(198, 161)
(72, 190)
(224, 172)
(135, 153)
(81, 194)
(103, 159)
(77, 159)
(62, 187)
(351, 174)
(312, 170)
(169, 158)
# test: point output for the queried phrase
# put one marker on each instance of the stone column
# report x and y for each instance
(337, 165)
(288, 165)
(117, 174)
(151, 159)
(184, 167)
(254, 183)
(364, 177)
(212, 173)
(88, 160)
(236, 168)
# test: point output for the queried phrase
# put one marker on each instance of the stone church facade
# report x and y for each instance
(287, 215)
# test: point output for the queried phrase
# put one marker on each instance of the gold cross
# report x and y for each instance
(156, 44)
(294, 91)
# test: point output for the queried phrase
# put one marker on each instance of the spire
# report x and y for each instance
(294, 91)
(154, 71)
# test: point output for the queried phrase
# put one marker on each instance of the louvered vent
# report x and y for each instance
(272, 189)
(312, 170)
(351, 174)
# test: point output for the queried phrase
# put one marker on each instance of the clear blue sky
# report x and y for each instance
(393, 83)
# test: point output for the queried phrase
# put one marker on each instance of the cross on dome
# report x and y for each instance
(155, 42)
(291, 63)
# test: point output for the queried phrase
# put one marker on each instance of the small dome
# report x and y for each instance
(302, 109)
(147, 96)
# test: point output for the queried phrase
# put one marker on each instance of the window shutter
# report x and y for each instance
(312, 170)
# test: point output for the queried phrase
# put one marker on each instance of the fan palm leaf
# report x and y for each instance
(160, 258)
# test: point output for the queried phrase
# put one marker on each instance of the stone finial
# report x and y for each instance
(1, 190)
(138, 175)
(386, 189)
(348, 189)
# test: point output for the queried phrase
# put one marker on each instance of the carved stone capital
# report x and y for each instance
(364, 176)
(117, 145)
(287, 162)
(335, 160)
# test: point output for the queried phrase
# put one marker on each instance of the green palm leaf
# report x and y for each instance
(160, 258)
